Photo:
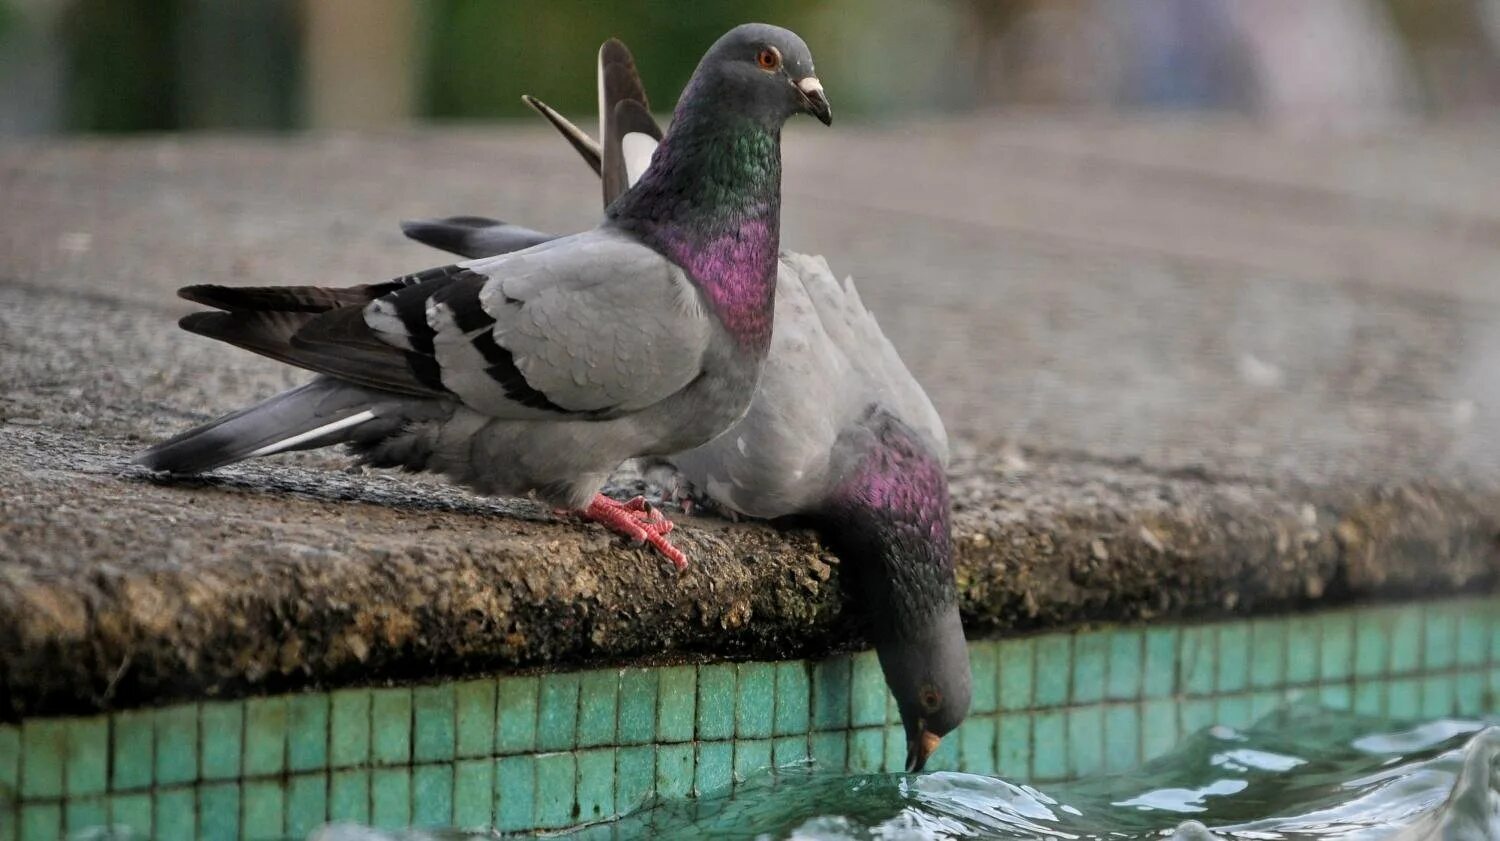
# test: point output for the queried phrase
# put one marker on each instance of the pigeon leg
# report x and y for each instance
(638, 521)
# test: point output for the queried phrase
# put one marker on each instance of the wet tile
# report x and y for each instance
(945, 758)
(867, 692)
(1122, 737)
(434, 710)
(82, 814)
(596, 784)
(1159, 722)
(1013, 746)
(1194, 715)
(1268, 645)
(175, 749)
(87, 764)
(792, 688)
(349, 727)
(44, 751)
(976, 745)
(1233, 711)
(307, 732)
(788, 750)
(1085, 741)
(1468, 692)
(41, 822)
(676, 703)
(637, 706)
(515, 788)
(1195, 662)
(1017, 673)
(830, 693)
(635, 776)
(1437, 696)
(1335, 696)
(829, 749)
(866, 750)
(1049, 753)
(1160, 670)
(1406, 640)
(516, 714)
(755, 700)
(174, 815)
(349, 796)
(1372, 643)
(10, 760)
(474, 719)
(1090, 666)
(715, 768)
(1053, 669)
(715, 701)
(390, 727)
(264, 806)
(1263, 704)
(751, 758)
(895, 748)
(265, 736)
(473, 790)
(984, 668)
(306, 803)
(132, 811)
(1126, 664)
(556, 778)
(1473, 635)
(1439, 637)
(1304, 642)
(432, 794)
(390, 795)
(222, 727)
(1338, 655)
(1403, 699)
(219, 810)
(674, 771)
(1233, 658)
(598, 706)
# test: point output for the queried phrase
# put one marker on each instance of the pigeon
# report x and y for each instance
(542, 370)
(839, 434)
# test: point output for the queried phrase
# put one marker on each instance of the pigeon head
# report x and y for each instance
(767, 71)
(888, 521)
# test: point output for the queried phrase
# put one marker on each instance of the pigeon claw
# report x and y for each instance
(639, 521)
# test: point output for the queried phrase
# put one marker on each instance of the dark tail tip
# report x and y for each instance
(451, 234)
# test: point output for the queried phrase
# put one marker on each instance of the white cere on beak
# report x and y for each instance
(810, 85)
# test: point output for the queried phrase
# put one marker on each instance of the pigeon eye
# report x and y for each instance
(931, 699)
(769, 58)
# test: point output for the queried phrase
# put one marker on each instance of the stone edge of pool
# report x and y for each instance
(1042, 542)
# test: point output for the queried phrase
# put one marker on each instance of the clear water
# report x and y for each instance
(1301, 773)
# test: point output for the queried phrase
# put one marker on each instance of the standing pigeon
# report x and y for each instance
(839, 434)
(542, 370)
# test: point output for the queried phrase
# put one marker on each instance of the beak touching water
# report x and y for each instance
(814, 100)
(918, 749)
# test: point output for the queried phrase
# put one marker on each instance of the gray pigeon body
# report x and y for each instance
(839, 433)
(541, 370)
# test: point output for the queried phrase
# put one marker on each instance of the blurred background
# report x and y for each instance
(174, 65)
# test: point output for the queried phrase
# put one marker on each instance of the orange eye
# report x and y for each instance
(769, 58)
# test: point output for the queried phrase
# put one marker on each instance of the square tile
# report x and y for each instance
(265, 736)
(867, 692)
(1473, 636)
(1335, 696)
(674, 771)
(751, 757)
(1304, 641)
(349, 796)
(598, 705)
(1126, 664)
(1090, 666)
(306, 803)
(1233, 657)
(1049, 752)
(1195, 714)
(1013, 746)
(1263, 704)
(984, 669)
(432, 794)
(976, 745)
(1437, 696)
(1160, 671)
(219, 810)
(264, 805)
(1122, 737)
(596, 785)
(1196, 659)
(132, 811)
(222, 726)
(516, 714)
(1406, 640)
(515, 788)
(895, 748)
(41, 822)
(1439, 637)
(1468, 695)
(473, 790)
(1338, 658)
(637, 721)
(175, 752)
(1233, 711)
(474, 720)
(945, 758)
(87, 765)
(307, 732)
(716, 701)
(44, 751)
(829, 749)
(132, 749)
(81, 814)
(349, 727)
(866, 747)
(174, 816)
(10, 760)
(789, 750)
(676, 703)
(1159, 721)
(1268, 645)
(390, 796)
(1054, 669)
(831, 690)
(1403, 699)
(755, 700)
(1017, 673)
(390, 728)
(1372, 642)
(434, 710)
(556, 778)
(792, 688)
(635, 777)
(1085, 741)
(715, 769)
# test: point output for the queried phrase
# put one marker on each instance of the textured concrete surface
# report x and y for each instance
(1191, 368)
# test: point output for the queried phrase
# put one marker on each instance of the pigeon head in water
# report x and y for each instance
(839, 434)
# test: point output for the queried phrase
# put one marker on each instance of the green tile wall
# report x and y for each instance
(556, 750)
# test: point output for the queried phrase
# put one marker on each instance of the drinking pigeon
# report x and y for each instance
(839, 434)
(543, 370)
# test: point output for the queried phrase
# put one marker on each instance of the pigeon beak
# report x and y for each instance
(813, 99)
(918, 749)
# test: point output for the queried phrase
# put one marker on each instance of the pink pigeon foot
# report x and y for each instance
(637, 520)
